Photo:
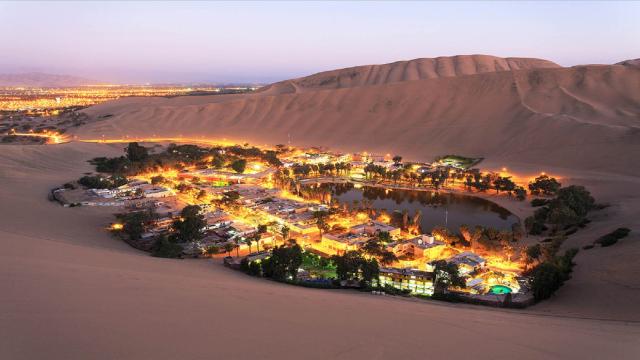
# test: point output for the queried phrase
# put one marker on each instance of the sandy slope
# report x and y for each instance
(417, 69)
(583, 117)
(69, 291)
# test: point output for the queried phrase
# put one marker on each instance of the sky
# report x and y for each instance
(261, 42)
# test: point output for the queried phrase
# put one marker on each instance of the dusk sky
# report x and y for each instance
(264, 42)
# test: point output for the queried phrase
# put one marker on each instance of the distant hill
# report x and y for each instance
(416, 69)
(36, 79)
(630, 62)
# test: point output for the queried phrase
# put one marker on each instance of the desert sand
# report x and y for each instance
(583, 117)
(417, 69)
(70, 291)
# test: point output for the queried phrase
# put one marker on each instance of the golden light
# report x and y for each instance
(117, 226)
(362, 216)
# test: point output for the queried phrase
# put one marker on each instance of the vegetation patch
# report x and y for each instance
(548, 276)
(613, 237)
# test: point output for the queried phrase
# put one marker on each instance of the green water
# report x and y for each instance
(500, 289)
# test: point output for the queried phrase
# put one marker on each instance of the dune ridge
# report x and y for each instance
(416, 69)
(585, 117)
(72, 291)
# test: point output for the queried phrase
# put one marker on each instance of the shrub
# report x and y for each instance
(166, 249)
(571, 232)
(99, 182)
(549, 276)
(613, 237)
(539, 202)
(621, 232)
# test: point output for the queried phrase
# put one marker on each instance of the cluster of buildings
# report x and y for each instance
(258, 203)
(133, 194)
(297, 215)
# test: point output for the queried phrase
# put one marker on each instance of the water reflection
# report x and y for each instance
(437, 208)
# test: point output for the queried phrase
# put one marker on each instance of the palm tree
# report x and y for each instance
(228, 247)
(256, 238)
(387, 258)
(237, 240)
(284, 231)
(321, 221)
(248, 241)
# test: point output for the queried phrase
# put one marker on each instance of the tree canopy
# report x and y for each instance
(445, 275)
(189, 227)
(353, 266)
(136, 152)
(283, 263)
(239, 165)
(545, 185)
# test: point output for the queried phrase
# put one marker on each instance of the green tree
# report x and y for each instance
(348, 265)
(262, 229)
(504, 184)
(228, 248)
(546, 279)
(133, 224)
(445, 275)
(369, 271)
(239, 165)
(165, 248)
(373, 247)
(283, 263)
(545, 185)
(284, 231)
(549, 276)
(578, 198)
(136, 152)
(353, 266)
(213, 249)
(562, 215)
(189, 227)
(384, 237)
(249, 240)
(532, 253)
(321, 221)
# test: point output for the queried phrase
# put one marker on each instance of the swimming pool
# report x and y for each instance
(500, 289)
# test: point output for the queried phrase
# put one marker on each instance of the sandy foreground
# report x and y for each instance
(70, 291)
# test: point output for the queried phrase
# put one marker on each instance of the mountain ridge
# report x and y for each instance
(40, 79)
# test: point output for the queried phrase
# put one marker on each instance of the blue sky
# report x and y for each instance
(267, 41)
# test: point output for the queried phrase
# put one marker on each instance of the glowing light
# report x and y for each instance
(117, 226)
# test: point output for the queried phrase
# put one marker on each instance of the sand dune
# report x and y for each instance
(417, 69)
(69, 291)
(584, 117)
(630, 62)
